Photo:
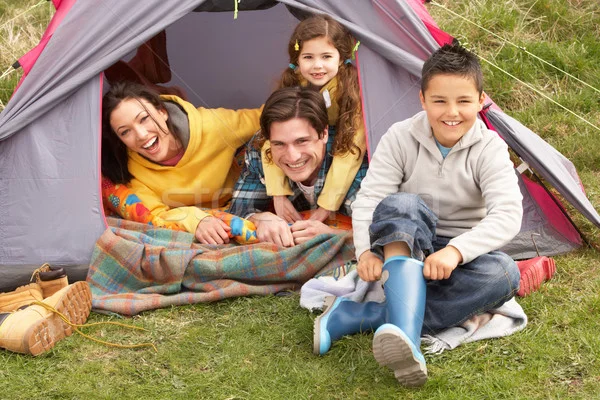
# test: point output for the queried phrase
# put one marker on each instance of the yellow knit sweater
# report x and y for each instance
(205, 175)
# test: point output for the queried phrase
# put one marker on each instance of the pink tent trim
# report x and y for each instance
(28, 60)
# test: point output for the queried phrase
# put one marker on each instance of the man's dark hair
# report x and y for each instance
(452, 59)
(294, 102)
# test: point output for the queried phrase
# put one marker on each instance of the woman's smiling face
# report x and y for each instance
(143, 129)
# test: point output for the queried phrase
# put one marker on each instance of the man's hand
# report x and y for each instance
(440, 264)
(212, 230)
(369, 266)
(285, 209)
(271, 228)
(320, 214)
(303, 231)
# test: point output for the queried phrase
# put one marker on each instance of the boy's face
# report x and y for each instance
(451, 103)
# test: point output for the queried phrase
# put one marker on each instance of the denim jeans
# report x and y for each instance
(475, 287)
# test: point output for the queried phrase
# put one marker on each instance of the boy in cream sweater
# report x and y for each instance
(439, 198)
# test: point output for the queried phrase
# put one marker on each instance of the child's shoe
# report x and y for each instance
(50, 279)
(37, 328)
(21, 297)
(533, 273)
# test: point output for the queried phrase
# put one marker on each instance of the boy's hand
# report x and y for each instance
(212, 230)
(440, 264)
(369, 267)
(271, 228)
(285, 209)
(320, 214)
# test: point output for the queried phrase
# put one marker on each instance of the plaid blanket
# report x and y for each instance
(137, 267)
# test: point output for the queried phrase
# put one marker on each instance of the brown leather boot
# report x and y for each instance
(37, 328)
(50, 279)
(21, 297)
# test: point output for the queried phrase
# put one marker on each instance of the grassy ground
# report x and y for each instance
(259, 348)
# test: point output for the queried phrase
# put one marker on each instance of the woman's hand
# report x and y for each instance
(212, 230)
(285, 209)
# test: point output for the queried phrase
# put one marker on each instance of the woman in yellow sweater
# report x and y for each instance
(174, 157)
(320, 51)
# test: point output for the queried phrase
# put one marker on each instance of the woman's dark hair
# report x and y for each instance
(114, 151)
(293, 102)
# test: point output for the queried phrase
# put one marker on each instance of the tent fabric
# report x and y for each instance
(50, 204)
(26, 62)
(545, 160)
(544, 229)
(439, 35)
(74, 55)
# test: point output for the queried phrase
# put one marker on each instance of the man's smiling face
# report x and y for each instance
(297, 149)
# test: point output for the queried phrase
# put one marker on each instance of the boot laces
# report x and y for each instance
(76, 329)
(45, 267)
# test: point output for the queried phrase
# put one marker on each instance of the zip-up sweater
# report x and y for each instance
(474, 191)
(205, 175)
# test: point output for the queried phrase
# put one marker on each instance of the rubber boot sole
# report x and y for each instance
(393, 349)
(327, 306)
(75, 304)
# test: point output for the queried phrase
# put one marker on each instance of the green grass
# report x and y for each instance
(261, 348)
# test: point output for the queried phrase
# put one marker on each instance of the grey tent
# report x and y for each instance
(50, 196)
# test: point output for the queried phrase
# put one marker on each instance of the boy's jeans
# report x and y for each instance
(485, 283)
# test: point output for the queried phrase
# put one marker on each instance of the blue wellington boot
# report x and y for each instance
(396, 344)
(341, 317)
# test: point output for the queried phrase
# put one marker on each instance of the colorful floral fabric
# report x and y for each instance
(120, 201)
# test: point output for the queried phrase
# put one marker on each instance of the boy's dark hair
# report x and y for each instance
(452, 59)
(293, 102)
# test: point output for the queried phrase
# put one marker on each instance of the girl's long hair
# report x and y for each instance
(114, 156)
(347, 91)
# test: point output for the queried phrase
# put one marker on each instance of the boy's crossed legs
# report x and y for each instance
(404, 226)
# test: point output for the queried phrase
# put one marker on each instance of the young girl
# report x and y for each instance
(173, 156)
(320, 51)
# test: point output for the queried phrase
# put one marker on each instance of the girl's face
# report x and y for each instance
(319, 61)
(133, 120)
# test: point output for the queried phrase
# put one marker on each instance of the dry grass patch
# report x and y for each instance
(22, 24)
